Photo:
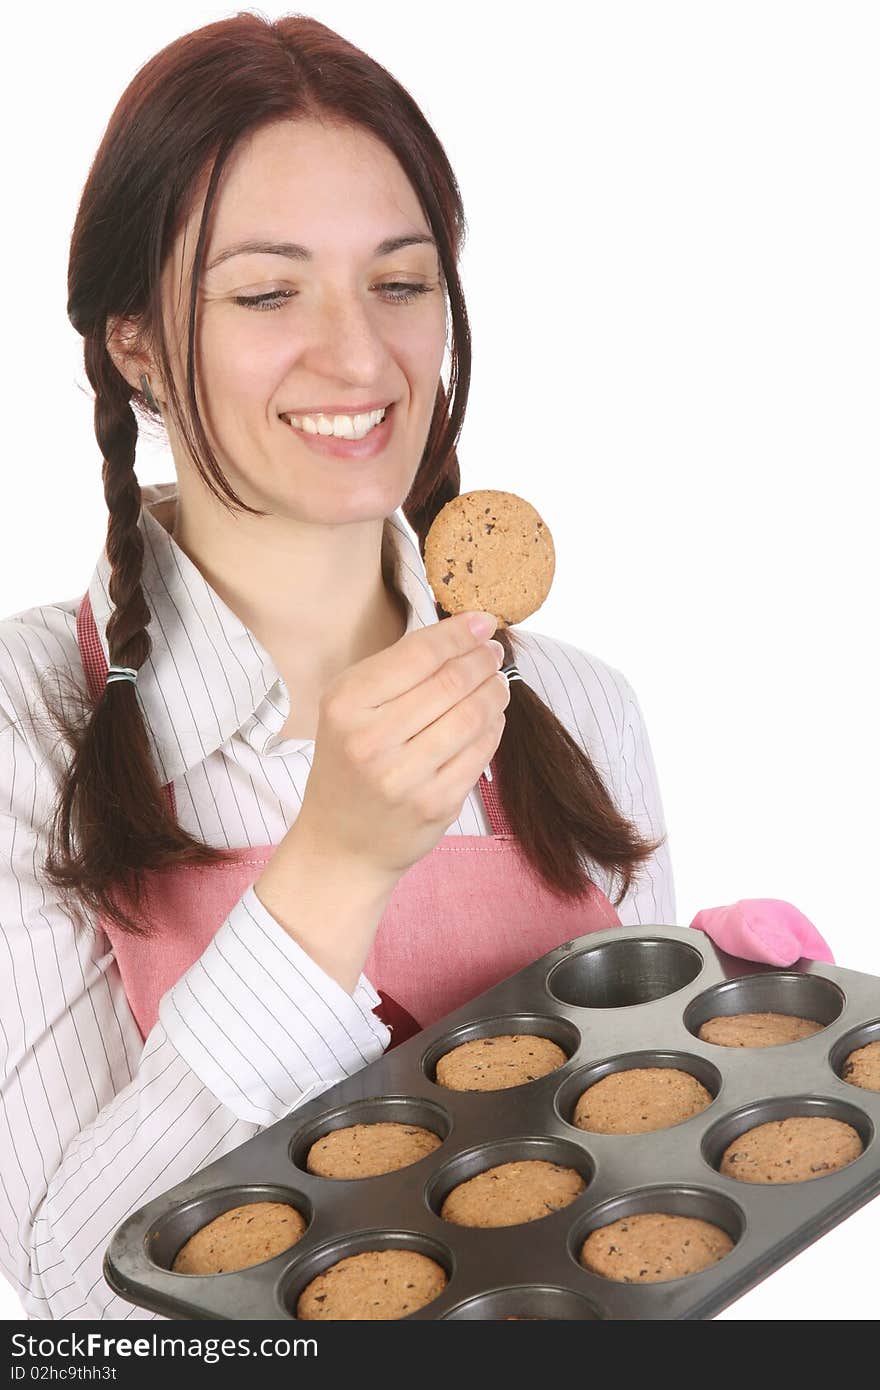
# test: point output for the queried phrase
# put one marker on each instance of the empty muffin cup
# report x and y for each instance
(620, 974)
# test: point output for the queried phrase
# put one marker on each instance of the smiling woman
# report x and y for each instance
(264, 841)
(264, 322)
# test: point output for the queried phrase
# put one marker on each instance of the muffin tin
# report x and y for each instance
(631, 996)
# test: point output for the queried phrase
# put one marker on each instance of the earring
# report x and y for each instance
(147, 390)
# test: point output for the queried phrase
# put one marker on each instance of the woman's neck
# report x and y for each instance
(318, 598)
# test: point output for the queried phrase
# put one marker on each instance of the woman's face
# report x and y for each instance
(350, 318)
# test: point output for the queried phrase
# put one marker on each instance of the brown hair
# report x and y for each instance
(179, 118)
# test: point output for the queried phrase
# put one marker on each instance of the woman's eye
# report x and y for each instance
(400, 292)
(397, 291)
(273, 300)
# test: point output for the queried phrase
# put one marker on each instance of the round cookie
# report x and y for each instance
(490, 550)
(512, 1193)
(862, 1067)
(639, 1100)
(793, 1150)
(494, 1064)
(240, 1237)
(365, 1151)
(757, 1030)
(653, 1247)
(378, 1284)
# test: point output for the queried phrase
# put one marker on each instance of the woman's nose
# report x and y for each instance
(346, 342)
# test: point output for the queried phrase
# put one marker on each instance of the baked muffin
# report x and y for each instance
(862, 1067)
(377, 1284)
(512, 1193)
(494, 1064)
(653, 1247)
(757, 1030)
(365, 1151)
(639, 1100)
(793, 1150)
(240, 1237)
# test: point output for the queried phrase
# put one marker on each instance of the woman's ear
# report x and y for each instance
(127, 353)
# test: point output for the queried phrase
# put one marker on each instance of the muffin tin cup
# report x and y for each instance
(307, 1268)
(401, 1110)
(739, 1122)
(526, 1301)
(524, 1148)
(859, 1037)
(780, 992)
(602, 1023)
(574, 1086)
(174, 1230)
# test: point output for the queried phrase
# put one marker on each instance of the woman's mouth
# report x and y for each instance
(360, 435)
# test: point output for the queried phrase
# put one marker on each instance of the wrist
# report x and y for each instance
(319, 856)
(329, 904)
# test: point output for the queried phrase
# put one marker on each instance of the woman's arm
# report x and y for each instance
(93, 1121)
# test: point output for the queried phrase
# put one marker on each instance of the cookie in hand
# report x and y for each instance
(490, 551)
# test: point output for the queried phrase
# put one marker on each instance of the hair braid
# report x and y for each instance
(113, 771)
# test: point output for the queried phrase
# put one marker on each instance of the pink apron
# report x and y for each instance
(463, 918)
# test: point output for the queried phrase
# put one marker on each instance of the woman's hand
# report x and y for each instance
(768, 930)
(402, 738)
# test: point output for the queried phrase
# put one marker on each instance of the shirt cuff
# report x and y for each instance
(262, 1025)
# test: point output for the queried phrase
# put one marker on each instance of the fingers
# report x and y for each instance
(456, 680)
(415, 657)
(469, 728)
(440, 797)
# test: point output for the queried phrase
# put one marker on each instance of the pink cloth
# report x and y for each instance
(467, 915)
(769, 930)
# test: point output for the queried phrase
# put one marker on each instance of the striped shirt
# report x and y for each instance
(94, 1120)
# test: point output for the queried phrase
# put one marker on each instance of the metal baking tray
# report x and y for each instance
(630, 996)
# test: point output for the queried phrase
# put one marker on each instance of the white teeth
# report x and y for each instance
(342, 426)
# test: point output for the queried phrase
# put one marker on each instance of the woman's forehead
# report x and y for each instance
(326, 187)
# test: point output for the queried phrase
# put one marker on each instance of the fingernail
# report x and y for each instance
(498, 650)
(482, 624)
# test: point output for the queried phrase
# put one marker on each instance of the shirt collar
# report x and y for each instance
(207, 676)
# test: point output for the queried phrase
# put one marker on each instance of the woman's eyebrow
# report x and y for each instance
(302, 253)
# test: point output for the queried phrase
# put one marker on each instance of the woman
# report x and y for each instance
(263, 848)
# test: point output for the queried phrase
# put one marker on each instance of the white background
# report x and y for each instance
(672, 273)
